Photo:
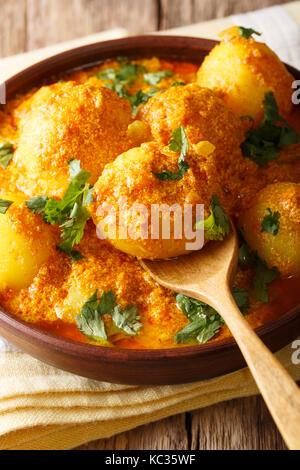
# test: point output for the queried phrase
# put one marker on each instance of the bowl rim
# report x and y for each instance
(90, 351)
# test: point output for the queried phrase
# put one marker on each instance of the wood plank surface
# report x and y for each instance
(29, 24)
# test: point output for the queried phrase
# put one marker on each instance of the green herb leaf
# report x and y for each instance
(241, 297)
(4, 206)
(90, 321)
(264, 143)
(76, 256)
(271, 222)
(205, 322)
(6, 154)
(244, 255)
(217, 225)
(178, 143)
(247, 32)
(141, 98)
(37, 204)
(177, 84)
(154, 78)
(126, 320)
(263, 275)
(70, 213)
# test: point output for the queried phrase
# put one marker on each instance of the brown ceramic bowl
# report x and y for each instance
(166, 366)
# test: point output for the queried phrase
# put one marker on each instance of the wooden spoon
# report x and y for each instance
(207, 275)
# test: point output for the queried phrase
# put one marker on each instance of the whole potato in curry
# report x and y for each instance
(26, 243)
(282, 249)
(131, 176)
(68, 121)
(242, 71)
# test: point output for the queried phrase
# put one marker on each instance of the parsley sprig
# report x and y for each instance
(271, 222)
(178, 143)
(264, 143)
(124, 76)
(217, 225)
(6, 154)
(246, 33)
(263, 275)
(91, 319)
(4, 205)
(70, 213)
(205, 322)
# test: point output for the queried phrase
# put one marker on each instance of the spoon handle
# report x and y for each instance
(280, 392)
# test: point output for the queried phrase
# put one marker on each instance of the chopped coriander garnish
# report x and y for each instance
(263, 275)
(141, 98)
(126, 320)
(123, 76)
(153, 78)
(177, 84)
(37, 204)
(91, 322)
(241, 297)
(271, 222)
(6, 154)
(246, 33)
(264, 143)
(244, 255)
(205, 322)
(217, 225)
(4, 206)
(70, 213)
(178, 143)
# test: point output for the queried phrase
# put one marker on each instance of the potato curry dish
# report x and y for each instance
(89, 154)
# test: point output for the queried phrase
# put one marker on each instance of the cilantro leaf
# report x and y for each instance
(6, 154)
(91, 323)
(271, 222)
(241, 297)
(178, 143)
(262, 278)
(247, 32)
(4, 206)
(126, 320)
(37, 204)
(264, 143)
(141, 98)
(263, 275)
(217, 225)
(153, 78)
(75, 256)
(179, 83)
(205, 322)
(244, 255)
(70, 213)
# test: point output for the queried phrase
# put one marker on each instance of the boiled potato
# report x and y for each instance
(131, 176)
(68, 121)
(282, 249)
(242, 71)
(26, 243)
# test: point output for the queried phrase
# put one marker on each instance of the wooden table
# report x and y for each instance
(30, 24)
